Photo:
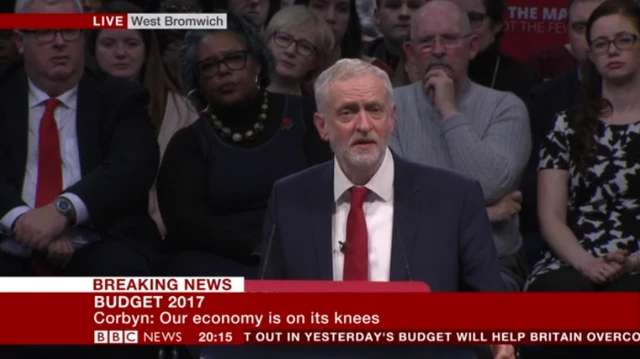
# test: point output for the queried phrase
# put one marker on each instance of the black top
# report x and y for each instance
(511, 75)
(213, 192)
(544, 102)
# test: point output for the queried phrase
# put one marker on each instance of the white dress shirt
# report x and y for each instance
(378, 212)
(65, 117)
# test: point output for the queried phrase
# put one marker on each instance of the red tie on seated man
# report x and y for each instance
(49, 175)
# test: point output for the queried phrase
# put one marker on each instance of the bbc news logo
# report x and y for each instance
(115, 337)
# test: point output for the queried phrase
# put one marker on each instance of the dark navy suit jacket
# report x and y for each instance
(441, 232)
(439, 217)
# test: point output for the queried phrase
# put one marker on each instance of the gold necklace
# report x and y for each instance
(251, 133)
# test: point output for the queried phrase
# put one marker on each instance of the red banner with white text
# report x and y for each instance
(534, 25)
(215, 311)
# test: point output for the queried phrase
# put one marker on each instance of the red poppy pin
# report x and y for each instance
(286, 123)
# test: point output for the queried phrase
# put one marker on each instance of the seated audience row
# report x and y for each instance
(224, 157)
(217, 175)
(271, 134)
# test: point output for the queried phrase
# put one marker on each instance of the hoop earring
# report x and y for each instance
(192, 92)
(195, 102)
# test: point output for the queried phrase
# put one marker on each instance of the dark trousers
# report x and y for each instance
(569, 279)
(202, 264)
(107, 257)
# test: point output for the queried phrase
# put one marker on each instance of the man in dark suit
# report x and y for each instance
(77, 158)
(421, 223)
(369, 214)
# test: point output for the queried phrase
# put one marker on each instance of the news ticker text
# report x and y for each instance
(367, 337)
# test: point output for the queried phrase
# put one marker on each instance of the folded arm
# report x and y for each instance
(478, 255)
(497, 157)
(129, 169)
(11, 203)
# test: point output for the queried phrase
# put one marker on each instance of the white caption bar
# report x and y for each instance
(120, 284)
(177, 21)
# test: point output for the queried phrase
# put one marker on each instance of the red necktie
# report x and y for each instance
(49, 160)
(356, 258)
(49, 183)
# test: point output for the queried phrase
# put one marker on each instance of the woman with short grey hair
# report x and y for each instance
(216, 175)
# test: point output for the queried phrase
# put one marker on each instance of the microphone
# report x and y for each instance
(404, 256)
(268, 251)
(343, 247)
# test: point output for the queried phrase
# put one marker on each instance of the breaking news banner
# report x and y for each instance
(233, 311)
(150, 21)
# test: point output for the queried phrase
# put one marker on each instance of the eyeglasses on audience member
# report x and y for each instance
(428, 43)
(234, 61)
(476, 19)
(45, 36)
(171, 7)
(622, 42)
(303, 47)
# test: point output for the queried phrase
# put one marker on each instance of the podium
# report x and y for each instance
(332, 351)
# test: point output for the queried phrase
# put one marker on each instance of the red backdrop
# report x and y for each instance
(533, 25)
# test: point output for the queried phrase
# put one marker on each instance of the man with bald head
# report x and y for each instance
(446, 120)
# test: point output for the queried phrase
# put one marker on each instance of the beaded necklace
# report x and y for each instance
(249, 134)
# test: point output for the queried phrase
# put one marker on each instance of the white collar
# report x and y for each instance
(37, 97)
(381, 183)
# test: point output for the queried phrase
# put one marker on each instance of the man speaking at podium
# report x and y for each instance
(370, 215)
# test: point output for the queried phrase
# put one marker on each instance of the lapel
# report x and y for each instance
(407, 205)
(17, 117)
(87, 123)
(321, 205)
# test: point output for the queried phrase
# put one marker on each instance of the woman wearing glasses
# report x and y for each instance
(491, 67)
(217, 174)
(301, 44)
(589, 177)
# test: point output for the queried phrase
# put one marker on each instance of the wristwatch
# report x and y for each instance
(65, 207)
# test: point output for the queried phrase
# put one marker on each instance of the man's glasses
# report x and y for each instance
(428, 44)
(179, 9)
(476, 19)
(621, 42)
(234, 61)
(45, 36)
(303, 47)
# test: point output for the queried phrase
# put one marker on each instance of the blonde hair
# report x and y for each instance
(300, 17)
